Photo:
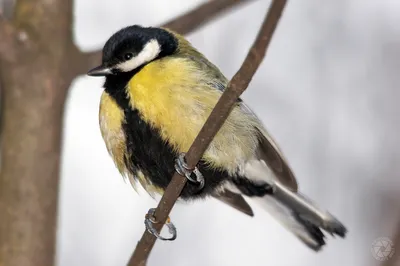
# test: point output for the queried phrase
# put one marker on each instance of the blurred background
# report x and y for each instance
(328, 93)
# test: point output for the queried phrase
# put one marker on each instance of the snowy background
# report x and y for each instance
(327, 91)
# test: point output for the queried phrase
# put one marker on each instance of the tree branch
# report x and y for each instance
(199, 16)
(236, 87)
(183, 24)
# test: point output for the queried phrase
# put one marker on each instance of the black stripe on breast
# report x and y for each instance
(148, 152)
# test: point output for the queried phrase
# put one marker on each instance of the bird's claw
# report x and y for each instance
(184, 170)
(150, 220)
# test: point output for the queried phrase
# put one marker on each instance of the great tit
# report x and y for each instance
(158, 92)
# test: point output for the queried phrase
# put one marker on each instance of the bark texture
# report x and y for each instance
(35, 78)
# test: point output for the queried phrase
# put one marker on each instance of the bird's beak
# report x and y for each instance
(100, 71)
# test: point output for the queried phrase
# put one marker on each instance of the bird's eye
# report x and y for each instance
(128, 56)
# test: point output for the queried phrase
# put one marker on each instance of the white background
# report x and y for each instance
(327, 91)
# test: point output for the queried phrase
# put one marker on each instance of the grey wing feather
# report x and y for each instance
(235, 201)
(276, 162)
(269, 152)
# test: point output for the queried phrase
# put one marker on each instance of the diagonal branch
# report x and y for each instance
(216, 119)
(183, 24)
(196, 18)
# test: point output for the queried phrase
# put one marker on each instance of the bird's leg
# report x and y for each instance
(184, 170)
(308, 210)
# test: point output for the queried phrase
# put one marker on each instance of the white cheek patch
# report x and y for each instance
(149, 52)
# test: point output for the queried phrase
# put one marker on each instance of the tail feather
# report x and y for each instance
(313, 230)
(291, 209)
(308, 233)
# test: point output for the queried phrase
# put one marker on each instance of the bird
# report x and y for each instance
(158, 92)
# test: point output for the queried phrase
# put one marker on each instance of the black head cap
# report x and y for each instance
(132, 47)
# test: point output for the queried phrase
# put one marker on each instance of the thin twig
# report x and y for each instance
(199, 16)
(216, 119)
(183, 24)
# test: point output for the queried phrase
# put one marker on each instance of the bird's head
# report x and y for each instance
(133, 47)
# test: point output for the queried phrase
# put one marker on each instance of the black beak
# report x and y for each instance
(100, 71)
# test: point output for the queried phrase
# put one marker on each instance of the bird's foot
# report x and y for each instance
(184, 170)
(150, 220)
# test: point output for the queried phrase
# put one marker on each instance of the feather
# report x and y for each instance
(308, 233)
(270, 154)
(296, 213)
(234, 200)
(269, 151)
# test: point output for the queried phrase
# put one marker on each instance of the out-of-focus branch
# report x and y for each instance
(196, 18)
(236, 87)
(183, 24)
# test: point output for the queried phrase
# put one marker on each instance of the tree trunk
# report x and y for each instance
(35, 79)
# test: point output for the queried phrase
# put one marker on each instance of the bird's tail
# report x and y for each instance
(293, 210)
(306, 231)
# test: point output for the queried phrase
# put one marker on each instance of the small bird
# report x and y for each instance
(158, 92)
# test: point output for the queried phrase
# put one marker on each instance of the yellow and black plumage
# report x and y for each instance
(159, 91)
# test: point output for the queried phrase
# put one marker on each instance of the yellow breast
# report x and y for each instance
(111, 118)
(176, 97)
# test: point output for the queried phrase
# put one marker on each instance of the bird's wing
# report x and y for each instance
(268, 149)
(270, 153)
(235, 201)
